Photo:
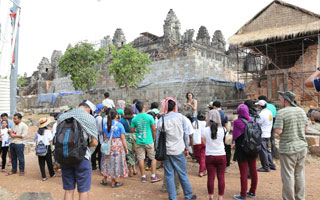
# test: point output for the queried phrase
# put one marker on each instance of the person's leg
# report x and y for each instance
(299, 174)
(68, 194)
(153, 166)
(211, 175)
(228, 154)
(179, 164)
(196, 154)
(4, 156)
(49, 162)
(83, 173)
(254, 175)
(272, 140)
(20, 155)
(41, 160)
(13, 158)
(169, 174)
(99, 156)
(83, 195)
(243, 167)
(221, 166)
(141, 156)
(288, 162)
(263, 154)
(202, 159)
(269, 157)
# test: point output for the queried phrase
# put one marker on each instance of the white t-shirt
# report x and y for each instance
(189, 126)
(265, 122)
(201, 124)
(214, 147)
(5, 137)
(54, 129)
(45, 138)
(108, 103)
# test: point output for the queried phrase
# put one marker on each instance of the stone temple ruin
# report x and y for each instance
(181, 63)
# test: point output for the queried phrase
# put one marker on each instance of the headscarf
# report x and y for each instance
(215, 116)
(121, 104)
(165, 105)
(238, 125)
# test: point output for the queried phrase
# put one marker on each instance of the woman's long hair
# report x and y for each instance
(111, 116)
(41, 130)
(214, 130)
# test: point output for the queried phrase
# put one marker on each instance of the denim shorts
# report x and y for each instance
(79, 175)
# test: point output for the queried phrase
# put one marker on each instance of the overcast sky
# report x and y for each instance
(48, 25)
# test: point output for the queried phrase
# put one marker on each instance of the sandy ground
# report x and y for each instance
(269, 184)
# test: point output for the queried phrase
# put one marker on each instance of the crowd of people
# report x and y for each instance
(115, 139)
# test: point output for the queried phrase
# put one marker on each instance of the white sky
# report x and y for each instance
(48, 25)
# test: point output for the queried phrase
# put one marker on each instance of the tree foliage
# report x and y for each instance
(129, 66)
(79, 62)
(22, 81)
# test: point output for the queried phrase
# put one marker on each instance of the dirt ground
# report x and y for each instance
(269, 184)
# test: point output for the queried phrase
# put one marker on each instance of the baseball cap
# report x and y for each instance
(99, 107)
(261, 103)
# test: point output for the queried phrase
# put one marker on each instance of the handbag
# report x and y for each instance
(41, 149)
(196, 134)
(106, 145)
(161, 149)
(228, 137)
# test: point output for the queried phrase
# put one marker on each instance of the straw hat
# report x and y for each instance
(43, 122)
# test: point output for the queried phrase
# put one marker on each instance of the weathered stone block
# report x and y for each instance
(312, 140)
(314, 150)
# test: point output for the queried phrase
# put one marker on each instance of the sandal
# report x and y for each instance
(103, 182)
(21, 173)
(117, 184)
(11, 173)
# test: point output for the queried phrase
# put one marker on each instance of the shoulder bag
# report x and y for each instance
(161, 149)
(106, 145)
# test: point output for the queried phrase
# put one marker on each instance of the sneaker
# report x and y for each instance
(251, 195)
(263, 170)
(155, 179)
(273, 167)
(193, 197)
(4, 170)
(239, 197)
(143, 179)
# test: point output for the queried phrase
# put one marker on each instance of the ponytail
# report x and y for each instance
(214, 130)
(111, 116)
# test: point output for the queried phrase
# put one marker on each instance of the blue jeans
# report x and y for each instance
(17, 153)
(177, 163)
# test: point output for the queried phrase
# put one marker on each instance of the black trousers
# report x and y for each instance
(227, 148)
(4, 151)
(47, 158)
(94, 158)
(265, 155)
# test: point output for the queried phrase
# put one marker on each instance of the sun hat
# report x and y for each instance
(43, 122)
(289, 96)
(261, 103)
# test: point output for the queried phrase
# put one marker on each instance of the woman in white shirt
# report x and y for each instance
(215, 154)
(4, 142)
(44, 136)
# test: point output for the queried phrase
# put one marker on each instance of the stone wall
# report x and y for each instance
(205, 91)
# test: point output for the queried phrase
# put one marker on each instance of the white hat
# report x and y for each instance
(91, 105)
(261, 103)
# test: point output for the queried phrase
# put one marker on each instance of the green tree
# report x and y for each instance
(79, 62)
(129, 66)
(22, 81)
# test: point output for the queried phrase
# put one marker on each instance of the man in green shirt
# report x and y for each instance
(291, 125)
(145, 128)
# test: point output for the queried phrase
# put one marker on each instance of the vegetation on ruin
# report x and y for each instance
(79, 62)
(129, 66)
(22, 80)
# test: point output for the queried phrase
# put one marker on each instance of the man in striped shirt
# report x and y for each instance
(291, 125)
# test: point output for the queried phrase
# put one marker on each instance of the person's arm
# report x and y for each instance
(94, 142)
(124, 142)
(278, 131)
(195, 105)
(185, 106)
(309, 81)
(132, 127)
(154, 134)
(306, 129)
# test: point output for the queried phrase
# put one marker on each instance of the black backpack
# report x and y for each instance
(70, 145)
(161, 149)
(252, 138)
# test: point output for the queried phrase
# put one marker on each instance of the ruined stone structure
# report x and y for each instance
(180, 63)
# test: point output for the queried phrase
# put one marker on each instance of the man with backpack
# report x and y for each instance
(265, 122)
(75, 141)
(291, 125)
(99, 121)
